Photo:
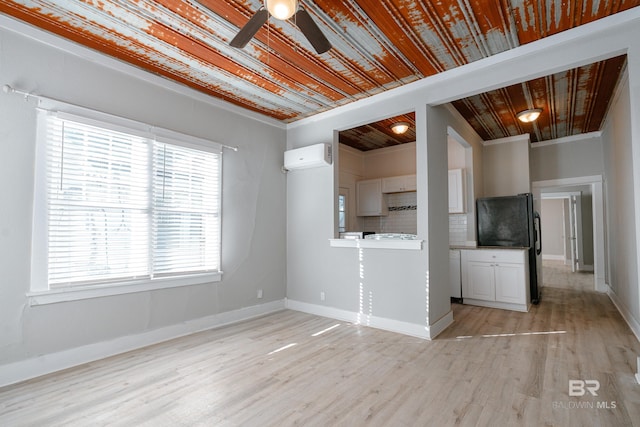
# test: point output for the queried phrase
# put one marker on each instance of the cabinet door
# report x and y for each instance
(480, 281)
(394, 184)
(410, 183)
(510, 283)
(399, 184)
(456, 191)
(370, 200)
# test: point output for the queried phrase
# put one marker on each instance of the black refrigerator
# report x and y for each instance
(511, 221)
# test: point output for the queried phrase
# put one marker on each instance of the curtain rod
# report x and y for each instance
(8, 89)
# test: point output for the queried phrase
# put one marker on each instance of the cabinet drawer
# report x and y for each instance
(495, 255)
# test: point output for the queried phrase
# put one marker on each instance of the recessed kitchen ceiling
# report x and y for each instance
(379, 134)
(376, 46)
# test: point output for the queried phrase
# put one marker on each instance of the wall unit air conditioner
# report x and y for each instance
(311, 156)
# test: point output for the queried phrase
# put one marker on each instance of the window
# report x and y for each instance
(120, 206)
(342, 209)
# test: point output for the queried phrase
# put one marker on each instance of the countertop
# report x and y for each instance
(522, 248)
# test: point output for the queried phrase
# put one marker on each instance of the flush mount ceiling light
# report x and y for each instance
(281, 9)
(400, 127)
(528, 116)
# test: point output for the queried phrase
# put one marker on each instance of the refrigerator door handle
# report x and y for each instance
(536, 217)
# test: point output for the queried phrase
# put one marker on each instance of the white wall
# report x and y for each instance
(620, 145)
(457, 155)
(253, 242)
(506, 167)
(391, 161)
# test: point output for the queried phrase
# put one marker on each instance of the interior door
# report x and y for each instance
(573, 230)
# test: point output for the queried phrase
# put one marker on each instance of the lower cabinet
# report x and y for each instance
(496, 278)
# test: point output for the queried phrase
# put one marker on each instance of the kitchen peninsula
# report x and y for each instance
(381, 241)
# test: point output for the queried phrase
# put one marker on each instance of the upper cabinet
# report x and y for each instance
(457, 191)
(370, 199)
(399, 184)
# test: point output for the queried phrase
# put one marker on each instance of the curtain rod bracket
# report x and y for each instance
(27, 95)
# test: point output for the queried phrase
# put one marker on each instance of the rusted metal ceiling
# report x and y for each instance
(377, 44)
(572, 102)
(379, 134)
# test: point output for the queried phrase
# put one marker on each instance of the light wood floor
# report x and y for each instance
(491, 368)
(558, 275)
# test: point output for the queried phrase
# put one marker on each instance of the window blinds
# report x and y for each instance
(185, 210)
(123, 207)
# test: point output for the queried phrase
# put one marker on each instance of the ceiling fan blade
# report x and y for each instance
(250, 29)
(311, 31)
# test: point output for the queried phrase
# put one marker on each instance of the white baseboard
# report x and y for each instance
(442, 324)
(22, 370)
(549, 257)
(626, 315)
(406, 328)
(587, 267)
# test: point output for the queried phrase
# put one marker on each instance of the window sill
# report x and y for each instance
(98, 291)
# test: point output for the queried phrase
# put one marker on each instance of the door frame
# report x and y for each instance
(597, 203)
(574, 211)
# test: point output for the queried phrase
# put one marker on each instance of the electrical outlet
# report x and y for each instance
(321, 296)
(259, 293)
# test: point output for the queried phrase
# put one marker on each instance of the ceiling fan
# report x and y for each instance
(283, 10)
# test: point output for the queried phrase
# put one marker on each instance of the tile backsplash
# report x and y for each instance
(402, 217)
(457, 229)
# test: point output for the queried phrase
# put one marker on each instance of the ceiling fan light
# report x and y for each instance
(528, 116)
(400, 127)
(281, 9)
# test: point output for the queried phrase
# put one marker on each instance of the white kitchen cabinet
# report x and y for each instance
(456, 191)
(399, 184)
(510, 283)
(481, 283)
(496, 278)
(370, 200)
(455, 280)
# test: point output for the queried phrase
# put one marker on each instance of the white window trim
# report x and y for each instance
(39, 293)
(120, 288)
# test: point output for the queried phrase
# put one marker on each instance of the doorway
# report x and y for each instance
(578, 261)
(567, 222)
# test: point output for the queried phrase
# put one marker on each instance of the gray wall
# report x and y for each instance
(552, 216)
(581, 157)
(253, 242)
(622, 218)
(410, 287)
